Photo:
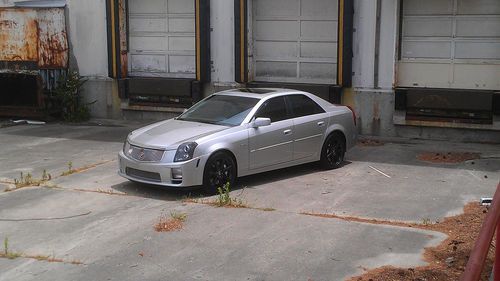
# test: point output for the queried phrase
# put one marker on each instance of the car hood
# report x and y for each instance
(171, 133)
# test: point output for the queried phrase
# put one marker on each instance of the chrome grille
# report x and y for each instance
(145, 154)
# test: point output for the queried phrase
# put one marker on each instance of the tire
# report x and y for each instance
(219, 170)
(333, 151)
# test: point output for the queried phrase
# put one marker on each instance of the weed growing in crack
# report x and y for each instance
(46, 176)
(28, 180)
(70, 170)
(6, 245)
(6, 253)
(224, 198)
(426, 221)
(178, 216)
(24, 180)
(14, 255)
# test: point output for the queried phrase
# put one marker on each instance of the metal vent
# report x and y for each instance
(143, 175)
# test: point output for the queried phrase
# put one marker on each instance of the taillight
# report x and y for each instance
(353, 114)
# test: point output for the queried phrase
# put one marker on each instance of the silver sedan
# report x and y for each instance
(237, 133)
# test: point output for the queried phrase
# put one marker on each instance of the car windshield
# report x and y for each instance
(220, 110)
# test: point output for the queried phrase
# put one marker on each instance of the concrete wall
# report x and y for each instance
(87, 36)
(222, 41)
(89, 56)
(372, 96)
(101, 94)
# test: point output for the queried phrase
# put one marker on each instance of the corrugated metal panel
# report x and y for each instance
(162, 38)
(450, 44)
(295, 41)
(34, 35)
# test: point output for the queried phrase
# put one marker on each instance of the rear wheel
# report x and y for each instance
(333, 151)
(219, 170)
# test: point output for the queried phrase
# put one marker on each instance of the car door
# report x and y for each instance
(310, 122)
(273, 144)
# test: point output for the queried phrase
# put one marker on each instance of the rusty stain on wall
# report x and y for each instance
(34, 35)
(122, 11)
(52, 39)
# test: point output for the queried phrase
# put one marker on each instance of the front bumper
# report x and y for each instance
(160, 173)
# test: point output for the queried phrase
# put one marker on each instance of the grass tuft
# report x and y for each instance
(170, 223)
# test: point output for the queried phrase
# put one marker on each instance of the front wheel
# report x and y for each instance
(333, 151)
(219, 170)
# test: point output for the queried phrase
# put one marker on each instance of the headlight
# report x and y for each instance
(126, 148)
(185, 152)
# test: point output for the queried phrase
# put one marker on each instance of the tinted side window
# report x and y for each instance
(302, 106)
(274, 108)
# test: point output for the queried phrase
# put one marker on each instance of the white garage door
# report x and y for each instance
(295, 40)
(450, 44)
(162, 38)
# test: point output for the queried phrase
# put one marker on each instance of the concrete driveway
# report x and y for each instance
(94, 225)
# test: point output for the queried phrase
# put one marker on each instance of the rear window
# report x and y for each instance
(274, 108)
(302, 106)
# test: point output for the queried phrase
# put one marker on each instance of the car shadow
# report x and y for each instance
(173, 194)
(158, 192)
(281, 174)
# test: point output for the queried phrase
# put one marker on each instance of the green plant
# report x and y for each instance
(6, 253)
(6, 246)
(25, 180)
(426, 221)
(70, 170)
(224, 198)
(68, 100)
(28, 180)
(46, 176)
(178, 216)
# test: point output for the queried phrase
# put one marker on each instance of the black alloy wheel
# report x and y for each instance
(219, 170)
(332, 154)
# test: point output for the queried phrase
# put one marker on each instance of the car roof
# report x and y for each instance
(259, 93)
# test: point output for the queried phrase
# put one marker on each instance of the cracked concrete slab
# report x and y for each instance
(50, 147)
(99, 178)
(415, 190)
(117, 241)
(5, 186)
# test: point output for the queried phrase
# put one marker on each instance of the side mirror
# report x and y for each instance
(261, 122)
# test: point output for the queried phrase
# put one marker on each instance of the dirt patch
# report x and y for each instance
(172, 223)
(368, 142)
(447, 261)
(361, 220)
(447, 157)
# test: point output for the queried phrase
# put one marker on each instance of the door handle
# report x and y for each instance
(287, 132)
(321, 123)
